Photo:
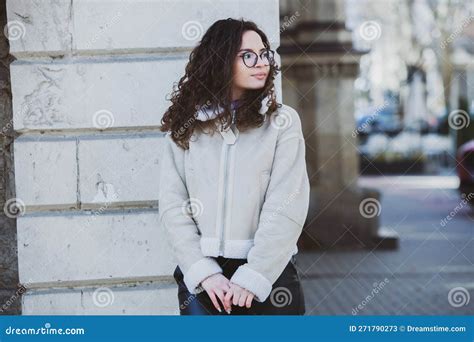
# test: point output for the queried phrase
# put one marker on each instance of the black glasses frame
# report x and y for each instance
(271, 58)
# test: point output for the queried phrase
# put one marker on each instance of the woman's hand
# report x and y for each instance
(239, 296)
(216, 285)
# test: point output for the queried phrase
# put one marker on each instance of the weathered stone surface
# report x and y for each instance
(142, 299)
(46, 172)
(59, 27)
(123, 169)
(91, 247)
(92, 95)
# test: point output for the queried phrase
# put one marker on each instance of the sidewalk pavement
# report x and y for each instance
(431, 273)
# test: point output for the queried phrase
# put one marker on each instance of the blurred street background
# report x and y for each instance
(417, 277)
(387, 89)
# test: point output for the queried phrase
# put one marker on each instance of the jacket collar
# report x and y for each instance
(205, 113)
(229, 135)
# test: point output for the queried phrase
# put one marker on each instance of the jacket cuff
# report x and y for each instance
(199, 271)
(252, 281)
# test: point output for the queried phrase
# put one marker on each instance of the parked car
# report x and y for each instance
(378, 120)
(465, 169)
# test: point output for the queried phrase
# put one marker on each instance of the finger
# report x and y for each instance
(248, 304)
(243, 298)
(214, 301)
(227, 300)
(235, 297)
(220, 295)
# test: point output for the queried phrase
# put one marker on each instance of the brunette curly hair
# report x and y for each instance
(208, 81)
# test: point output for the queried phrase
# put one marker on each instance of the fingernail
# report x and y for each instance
(219, 309)
(228, 311)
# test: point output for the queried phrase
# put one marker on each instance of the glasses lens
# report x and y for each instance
(250, 59)
(267, 56)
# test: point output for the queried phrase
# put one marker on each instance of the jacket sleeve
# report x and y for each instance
(283, 212)
(180, 227)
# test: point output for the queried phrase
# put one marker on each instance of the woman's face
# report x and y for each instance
(243, 76)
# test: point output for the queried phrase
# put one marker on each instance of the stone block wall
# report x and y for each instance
(89, 85)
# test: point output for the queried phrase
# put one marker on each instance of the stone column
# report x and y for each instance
(10, 289)
(462, 100)
(320, 66)
(89, 89)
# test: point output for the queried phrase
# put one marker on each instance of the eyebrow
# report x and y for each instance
(252, 50)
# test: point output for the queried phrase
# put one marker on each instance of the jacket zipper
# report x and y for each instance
(221, 248)
(226, 154)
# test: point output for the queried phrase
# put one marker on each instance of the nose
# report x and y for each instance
(260, 63)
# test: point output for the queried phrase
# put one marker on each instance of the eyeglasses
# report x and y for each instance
(250, 58)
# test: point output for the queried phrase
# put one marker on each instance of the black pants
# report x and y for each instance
(286, 297)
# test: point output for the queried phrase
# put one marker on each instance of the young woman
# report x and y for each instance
(233, 203)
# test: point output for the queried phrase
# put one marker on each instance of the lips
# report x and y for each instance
(260, 76)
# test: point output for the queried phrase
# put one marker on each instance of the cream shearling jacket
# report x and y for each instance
(237, 195)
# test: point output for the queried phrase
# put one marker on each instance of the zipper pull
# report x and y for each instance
(229, 136)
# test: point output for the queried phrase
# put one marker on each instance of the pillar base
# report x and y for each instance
(335, 220)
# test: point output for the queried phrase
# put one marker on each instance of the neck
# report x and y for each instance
(236, 94)
(234, 104)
